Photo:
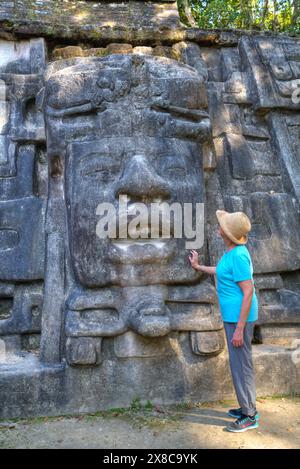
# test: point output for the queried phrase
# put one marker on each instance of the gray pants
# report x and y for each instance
(241, 365)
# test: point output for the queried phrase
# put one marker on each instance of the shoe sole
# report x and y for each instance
(242, 429)
(257, 416)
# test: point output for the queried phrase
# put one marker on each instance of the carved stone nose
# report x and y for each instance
(140, 180)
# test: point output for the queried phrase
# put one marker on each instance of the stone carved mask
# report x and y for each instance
(132, 126)
(126, 125)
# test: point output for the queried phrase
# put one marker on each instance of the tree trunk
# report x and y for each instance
(188, 13)
(296, 12)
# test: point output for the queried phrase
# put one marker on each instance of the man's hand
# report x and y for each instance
(238, 337)
(194, 259)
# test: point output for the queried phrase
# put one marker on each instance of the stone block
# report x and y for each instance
(131, 345)
(10, 348)
(22, 57)
(25, 312)
(22, 239)
(114, 48)
(207, 343)
(17, 175)
(84, 351)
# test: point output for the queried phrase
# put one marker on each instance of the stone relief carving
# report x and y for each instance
(178, 123)
(257, 163)
(22, 188)
(125, 125)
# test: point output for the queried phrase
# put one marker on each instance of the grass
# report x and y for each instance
(294, 396)
(140, 414)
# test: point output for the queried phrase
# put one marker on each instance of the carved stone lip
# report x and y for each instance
(142, 250)
(126, 243)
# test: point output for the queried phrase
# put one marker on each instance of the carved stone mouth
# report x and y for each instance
(142, 250)
(127, 243)
(148, 232)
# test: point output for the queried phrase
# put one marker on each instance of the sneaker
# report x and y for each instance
(237, 413)
(243, 424)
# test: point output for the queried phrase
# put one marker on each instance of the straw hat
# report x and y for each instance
(235, 225)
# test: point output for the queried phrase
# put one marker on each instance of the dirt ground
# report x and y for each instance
(151, 427)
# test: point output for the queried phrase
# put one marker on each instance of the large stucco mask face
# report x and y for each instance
(127, 126)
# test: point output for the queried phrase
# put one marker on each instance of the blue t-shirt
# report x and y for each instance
(235, 266)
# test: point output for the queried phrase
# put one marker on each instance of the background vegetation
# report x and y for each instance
(263, 15)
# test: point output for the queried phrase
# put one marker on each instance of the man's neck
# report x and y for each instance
(229, 246)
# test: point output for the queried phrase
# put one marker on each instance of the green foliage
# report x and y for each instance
(149, 406)
(136, 405)
(263, 15)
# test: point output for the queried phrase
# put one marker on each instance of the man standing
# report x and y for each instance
(239, 309)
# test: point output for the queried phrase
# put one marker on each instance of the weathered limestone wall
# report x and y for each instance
(70, 340)
(137, 22)
(90, 20)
